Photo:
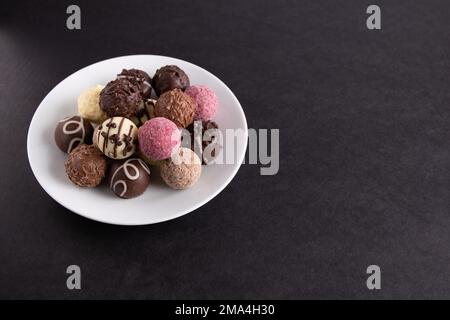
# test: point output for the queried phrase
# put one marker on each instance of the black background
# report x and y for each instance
(364, 153)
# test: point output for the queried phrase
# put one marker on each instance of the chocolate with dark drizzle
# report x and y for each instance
(117, 138)
(127, 140)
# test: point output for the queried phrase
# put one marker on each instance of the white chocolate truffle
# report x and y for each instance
(116, 137)
(89, 105)
(182, 170)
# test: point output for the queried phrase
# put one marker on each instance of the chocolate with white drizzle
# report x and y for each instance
(72, 131)
(116, 137)
(138, 78)
(129, 178)
(145, 112)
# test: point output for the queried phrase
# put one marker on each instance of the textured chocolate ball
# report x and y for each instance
(176, 106)
(168, 78)
(72, 131)
(120, 98)
(182, 170)
(140, 79)
(129, 178)
(116, 137)
(86, 166)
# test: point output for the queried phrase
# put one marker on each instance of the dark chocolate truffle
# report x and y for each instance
(72, 131)
(176, 106)
(168, 78)
(140, 79)
(120, 98)
(209, 131)
(86, 166)
(129, 178)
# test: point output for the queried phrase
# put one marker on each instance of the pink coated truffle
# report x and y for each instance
(158, 137)
(207, 102)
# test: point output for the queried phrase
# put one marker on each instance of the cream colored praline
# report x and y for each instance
(89, 105)
(182, 170)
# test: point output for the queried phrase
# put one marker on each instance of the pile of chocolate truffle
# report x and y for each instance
(134, 123)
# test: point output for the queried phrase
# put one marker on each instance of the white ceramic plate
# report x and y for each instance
(159, 202)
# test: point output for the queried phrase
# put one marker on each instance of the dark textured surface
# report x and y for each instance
(365, 152)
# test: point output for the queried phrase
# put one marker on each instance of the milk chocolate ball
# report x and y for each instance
(86, 166)
(176, 106)
(129, 178)
(72, 131)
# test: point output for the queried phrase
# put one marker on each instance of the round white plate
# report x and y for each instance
(159, 202)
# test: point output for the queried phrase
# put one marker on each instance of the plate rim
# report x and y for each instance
(170, 217)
